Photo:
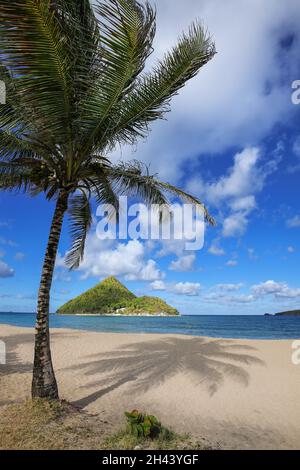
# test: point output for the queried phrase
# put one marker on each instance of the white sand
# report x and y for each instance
(240, 393)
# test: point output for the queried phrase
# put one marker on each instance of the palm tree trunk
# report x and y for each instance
(44, 383)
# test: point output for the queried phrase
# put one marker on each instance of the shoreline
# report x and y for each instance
(83, 330)
(185, 335)
(144, 315)
(187, 381)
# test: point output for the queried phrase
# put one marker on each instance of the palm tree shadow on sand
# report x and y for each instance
(149, 364)
(14, 362)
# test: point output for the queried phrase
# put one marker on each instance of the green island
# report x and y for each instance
(290, 313)
(111, 297)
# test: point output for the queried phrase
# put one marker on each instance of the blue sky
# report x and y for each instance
(233, 139)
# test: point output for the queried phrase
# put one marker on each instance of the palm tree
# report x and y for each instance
(75, 89)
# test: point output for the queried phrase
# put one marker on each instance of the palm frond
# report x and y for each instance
(150, 99)
(36, 54)
(128, 178)
(80, 222)
(13, 146)
(127, 30)
(15, 178)
(78, 23)
(186, 197)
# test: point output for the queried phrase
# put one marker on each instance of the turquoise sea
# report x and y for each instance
(220, 326)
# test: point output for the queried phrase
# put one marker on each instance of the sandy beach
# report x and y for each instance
(242, 394)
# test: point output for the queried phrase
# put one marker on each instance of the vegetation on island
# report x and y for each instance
(150, 305)
(289, 313)
(112, 297)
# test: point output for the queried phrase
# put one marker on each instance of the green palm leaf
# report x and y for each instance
(126, 32)
(36, 54)
(80, 222)
(128, 178)
(150, 98)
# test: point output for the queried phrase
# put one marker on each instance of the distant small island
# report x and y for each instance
(111, 297)
(289, 313)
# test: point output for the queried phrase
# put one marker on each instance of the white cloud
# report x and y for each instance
(243, 179)
(5, 270)
(243, 299)
(231, 263)
(215, 249)
(19, 256)
(108, 257)
(235, 225)
(296, 147)
(229, 299)
(246, 203)
(251, 254)
(158, 285)
(149, 272)
(291, 249)
(234, 192)
(229, 287)
(296, 150)
(5, 241)
(183, 263)
(187, 288)
(293, 222)
(278, 289)
(61, 275)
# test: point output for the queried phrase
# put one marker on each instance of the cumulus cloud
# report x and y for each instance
(215, 249)
(251, 254)
(241, 299)
(5, 270)
(187, 288)
(243, 178)
(296, 151)
(158, 285)
(19, 256)
(235, 225)
(246, 203)
(61, 275)
(222, 293)
(229, 299)
(5, 241)
(149, 272)
(278, 289)
(231, 263)
(293, 222)
(183, 263)
(108, 257)
(296, 147)
(229, 287)
(234, 193)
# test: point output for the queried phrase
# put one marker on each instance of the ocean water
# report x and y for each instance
(217, 326)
